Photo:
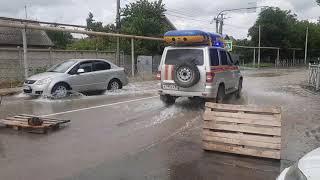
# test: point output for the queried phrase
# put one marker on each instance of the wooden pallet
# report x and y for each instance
(245, 130)
(20, 122)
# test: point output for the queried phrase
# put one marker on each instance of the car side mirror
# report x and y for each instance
(80, 71)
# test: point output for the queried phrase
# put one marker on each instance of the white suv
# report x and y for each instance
(206, 72)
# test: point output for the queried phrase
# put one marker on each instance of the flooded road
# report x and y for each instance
(130, 134)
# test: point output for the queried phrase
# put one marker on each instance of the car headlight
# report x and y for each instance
(43, 81)
(294, 173)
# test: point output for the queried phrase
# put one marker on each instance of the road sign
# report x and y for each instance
(228, 45)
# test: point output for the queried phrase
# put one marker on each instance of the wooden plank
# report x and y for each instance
(242, 141)
(26, 121)
(266, 153)
(44, 119)
(242, 115)
(242, 121)
(245, 108)
(258, 138)
(21, 124)
(275, 131)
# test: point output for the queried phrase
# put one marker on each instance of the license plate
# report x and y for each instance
(170, 87)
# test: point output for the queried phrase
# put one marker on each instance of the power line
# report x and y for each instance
(231, 25)
(186, 12)
(187, 18)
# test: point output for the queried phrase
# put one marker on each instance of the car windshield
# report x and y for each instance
(62, 67)
(177, 56)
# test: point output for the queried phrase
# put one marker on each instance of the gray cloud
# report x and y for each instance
(185, 14)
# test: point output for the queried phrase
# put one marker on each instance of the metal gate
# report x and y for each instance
(314, 76)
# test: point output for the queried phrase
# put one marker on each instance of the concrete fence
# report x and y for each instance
(11, 60)
(12, 68)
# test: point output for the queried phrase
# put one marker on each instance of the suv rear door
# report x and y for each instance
(176, 56)
(226, 72)
(235, 72)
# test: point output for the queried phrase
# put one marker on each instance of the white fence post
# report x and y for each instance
(318, 78)
(132, 57)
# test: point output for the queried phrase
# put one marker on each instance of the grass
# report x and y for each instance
(262, 65)
(10, 84)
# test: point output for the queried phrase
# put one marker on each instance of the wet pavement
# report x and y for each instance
(130, 134)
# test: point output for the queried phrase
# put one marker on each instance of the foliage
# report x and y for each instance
(144, 18)
(318, 1)
(281, 28)
(262, 65)
(60, 39)
(94, 25)
(276, 25)
(96, 43)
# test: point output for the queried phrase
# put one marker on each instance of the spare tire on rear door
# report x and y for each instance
(186, 74)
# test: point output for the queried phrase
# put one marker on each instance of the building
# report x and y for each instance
(12, 37)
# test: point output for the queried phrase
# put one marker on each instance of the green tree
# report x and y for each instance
(276, 27)
(318, 1)
(95, 42)
(144, 18)
(98, 26)
(60, 39)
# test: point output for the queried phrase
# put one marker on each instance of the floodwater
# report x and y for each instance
(130, 134)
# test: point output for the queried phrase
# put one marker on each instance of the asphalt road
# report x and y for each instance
(130, 134)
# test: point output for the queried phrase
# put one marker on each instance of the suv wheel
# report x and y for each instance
(167, 99)
(221, 94)
(186, 75)
(238, 93)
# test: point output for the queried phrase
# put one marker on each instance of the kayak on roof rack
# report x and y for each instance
(193, 38)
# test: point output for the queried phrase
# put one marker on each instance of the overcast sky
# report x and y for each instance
(185, 14)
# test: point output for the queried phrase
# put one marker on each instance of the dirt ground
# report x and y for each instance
(130, 134)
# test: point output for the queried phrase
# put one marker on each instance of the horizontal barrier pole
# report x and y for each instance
(46, 28)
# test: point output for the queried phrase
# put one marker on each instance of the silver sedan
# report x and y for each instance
(80, 75)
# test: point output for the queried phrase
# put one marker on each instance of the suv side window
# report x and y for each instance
(223, 58)
(230, 59)
(101, 66)
(214, 57)
(87, 66)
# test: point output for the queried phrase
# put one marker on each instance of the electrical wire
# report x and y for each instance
(188, 18)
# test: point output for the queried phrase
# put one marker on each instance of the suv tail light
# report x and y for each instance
(210, 77)
(159, 75)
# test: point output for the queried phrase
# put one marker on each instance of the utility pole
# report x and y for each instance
(217, 25)
(118, 31)
(306, 47)
(219, 18)
(221, 24)
(132, 58)
(254, 57)
(259, 50)
(25, 45)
